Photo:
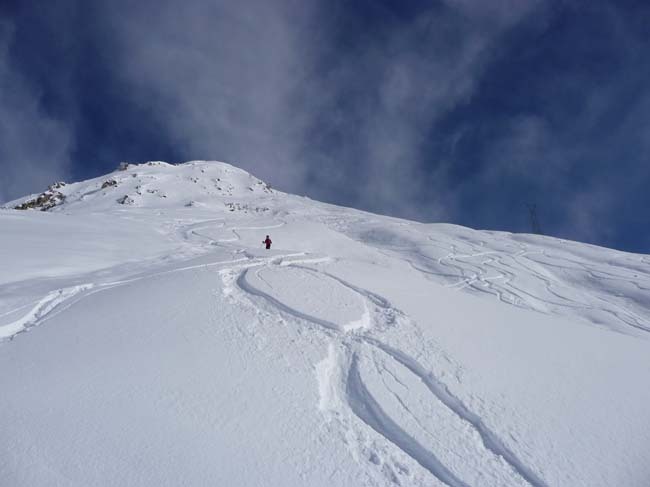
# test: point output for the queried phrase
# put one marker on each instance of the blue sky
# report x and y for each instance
(459, 111)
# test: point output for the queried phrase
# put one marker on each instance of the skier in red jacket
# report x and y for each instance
(267, 242)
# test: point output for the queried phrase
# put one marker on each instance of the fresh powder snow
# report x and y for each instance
(147, 338)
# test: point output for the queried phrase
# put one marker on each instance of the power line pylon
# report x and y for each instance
(534, 221)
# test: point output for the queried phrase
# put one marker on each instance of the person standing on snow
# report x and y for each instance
(267, 242)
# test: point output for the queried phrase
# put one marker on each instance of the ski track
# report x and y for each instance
(498, 276)
(61, 299)
(366, 408)
(188, 230)
(43, 308)
(490, 440)
(358, 398)
(243, 284)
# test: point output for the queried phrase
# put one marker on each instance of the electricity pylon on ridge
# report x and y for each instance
(534, 221)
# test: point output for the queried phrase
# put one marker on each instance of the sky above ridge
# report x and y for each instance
(460, 111)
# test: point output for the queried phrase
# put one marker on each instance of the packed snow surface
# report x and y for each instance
(148, 339)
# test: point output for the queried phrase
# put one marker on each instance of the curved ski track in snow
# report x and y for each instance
(245, 286)
(197, 230)
(490, 439)
(522, 274)
(61, 299)
(366, 408)
(53, 301)
(357, 397)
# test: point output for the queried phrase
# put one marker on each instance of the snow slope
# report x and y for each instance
(149, 339)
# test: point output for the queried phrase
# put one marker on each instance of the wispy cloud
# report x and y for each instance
(219, 75)
(254, 82)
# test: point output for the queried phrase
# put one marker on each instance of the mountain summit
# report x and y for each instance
(153, 184)
(148, 337)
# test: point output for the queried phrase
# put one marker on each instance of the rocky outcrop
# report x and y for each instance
(109, 183)
(46, 200)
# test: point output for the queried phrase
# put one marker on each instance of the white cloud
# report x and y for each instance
(243, 81)
(219, 75)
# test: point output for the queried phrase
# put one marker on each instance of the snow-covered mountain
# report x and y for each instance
(167, 347)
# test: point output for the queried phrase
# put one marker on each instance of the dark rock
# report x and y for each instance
(109, 183)
(44, 201)
(125, 200)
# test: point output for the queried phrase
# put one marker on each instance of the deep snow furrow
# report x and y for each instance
(368, 410)
(491, 441)
(366, 407)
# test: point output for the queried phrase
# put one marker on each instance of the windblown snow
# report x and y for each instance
(149, 339)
